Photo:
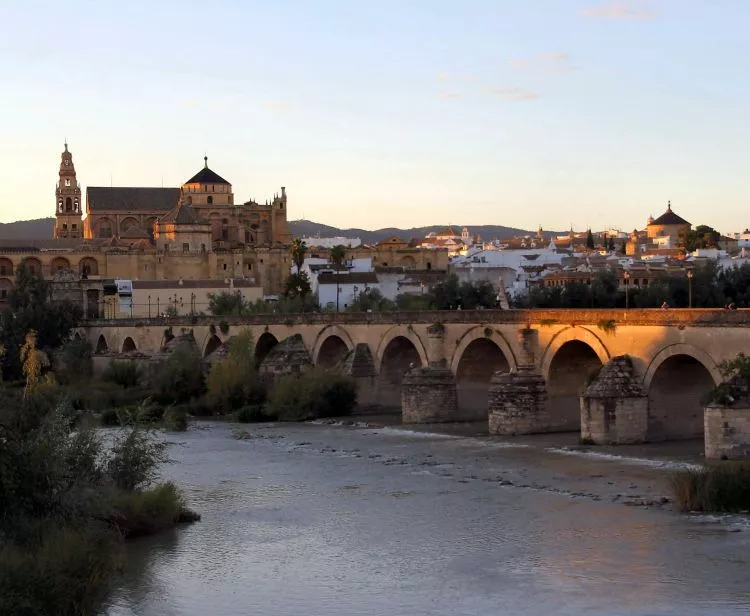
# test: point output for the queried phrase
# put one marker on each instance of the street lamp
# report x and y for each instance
(626, 275)
(690, 288)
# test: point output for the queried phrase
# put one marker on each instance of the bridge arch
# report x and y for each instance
(331, 345)
(400, 349)
(101, 345)
(480, 352)
(213, 342)
(570, 359)
(677, 381)
(399, 331)
(266, 342)
(128, 345)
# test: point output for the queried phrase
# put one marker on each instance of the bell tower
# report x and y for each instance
(68, 200)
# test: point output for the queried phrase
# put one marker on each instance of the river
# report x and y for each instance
(331, 520)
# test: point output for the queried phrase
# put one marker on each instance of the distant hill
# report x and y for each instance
(307, 228)
(42, 229)
(39, 229)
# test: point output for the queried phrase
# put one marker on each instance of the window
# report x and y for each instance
(224, 221)
(203, 248)
(209, 200)
(224, 234)
(65, 226)
(75, 226)
(225, 266)
(185, 247)
(67, 182)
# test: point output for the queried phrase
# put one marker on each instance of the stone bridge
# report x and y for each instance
(447, 359)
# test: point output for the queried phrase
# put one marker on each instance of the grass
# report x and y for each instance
(719, 488)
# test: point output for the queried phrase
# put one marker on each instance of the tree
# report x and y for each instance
(702, 236)
(297, 285)
(227, 304)
(298, 250)
(338, 256)
(30, 307)
(590, 240)
(371, 299)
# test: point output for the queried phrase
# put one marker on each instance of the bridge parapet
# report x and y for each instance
(671, 317)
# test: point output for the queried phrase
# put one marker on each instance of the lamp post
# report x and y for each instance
(690, 288)
(626, 275)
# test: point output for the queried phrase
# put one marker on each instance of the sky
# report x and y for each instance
(392, 113)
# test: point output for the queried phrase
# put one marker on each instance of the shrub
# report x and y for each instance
(76, 359)
(64, 574)
(175, 419)
(134, 459)
(252, 413)
(234, 382)
(145, 512)
(180, 377)
(723, 487)
(122, 373)
(312, 395)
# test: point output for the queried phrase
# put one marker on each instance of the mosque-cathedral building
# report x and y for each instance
(192, 233)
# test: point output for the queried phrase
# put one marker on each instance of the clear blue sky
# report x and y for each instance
(396, 112)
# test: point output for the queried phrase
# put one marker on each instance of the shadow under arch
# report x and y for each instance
(399, 331)
(568, 362)
(101, 345)
(213, 342)
(325, 334)
(128, 345)
(677, 381)
(572, 334)
(266, 342)
(479, 354)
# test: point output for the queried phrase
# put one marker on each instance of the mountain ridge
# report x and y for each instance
(43, 228)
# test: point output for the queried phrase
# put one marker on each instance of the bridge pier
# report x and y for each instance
(359, 365)
(429, 393)
(517, 401)
(614, 408)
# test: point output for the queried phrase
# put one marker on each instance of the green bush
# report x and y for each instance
(175, 419)
(122, 373)
(64, 574)
(145, 512)
(180, 377)
(134, 459)
(722, 487)
(234, 382)
(252, 413)
(76, 359)
(312, 395)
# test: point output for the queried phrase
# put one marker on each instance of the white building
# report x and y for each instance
(330, 242)
(350, 285)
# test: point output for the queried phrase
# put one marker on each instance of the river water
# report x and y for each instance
(317, 519)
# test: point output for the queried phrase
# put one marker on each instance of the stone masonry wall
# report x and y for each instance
(727, 433)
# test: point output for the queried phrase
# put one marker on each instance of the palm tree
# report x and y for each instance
(298, 249)
(338, 256)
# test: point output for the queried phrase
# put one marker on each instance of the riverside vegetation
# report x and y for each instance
(70, 495)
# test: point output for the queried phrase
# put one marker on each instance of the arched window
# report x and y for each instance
(88, 267)
(209, 200)
(68, 204)
(105, 227)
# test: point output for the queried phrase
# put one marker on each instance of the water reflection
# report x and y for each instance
(346, 522)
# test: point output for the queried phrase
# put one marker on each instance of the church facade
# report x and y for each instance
(192, 232)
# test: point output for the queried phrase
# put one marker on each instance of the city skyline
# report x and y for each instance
(482, 114)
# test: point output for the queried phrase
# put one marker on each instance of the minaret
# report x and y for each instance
(68, 203)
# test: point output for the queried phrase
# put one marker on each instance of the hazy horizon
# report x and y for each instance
(560, 113)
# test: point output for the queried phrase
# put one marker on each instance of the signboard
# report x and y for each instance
(125, 292)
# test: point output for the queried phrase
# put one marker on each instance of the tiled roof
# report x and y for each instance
(183, 214)
(670, 218)
(206, 176)
(127, 198)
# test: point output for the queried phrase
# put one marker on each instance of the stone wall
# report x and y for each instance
(429, 395)
(727, 432)
(614, 409)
